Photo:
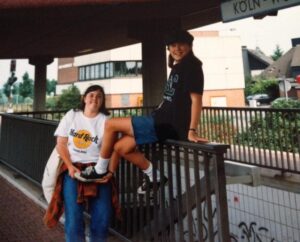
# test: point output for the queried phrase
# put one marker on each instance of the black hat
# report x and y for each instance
(179, 36)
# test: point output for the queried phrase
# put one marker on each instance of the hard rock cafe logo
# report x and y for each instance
(82, 139)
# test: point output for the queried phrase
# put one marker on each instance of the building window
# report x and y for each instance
(81, 73)
(110, 69)
(102, 71)
(88, 73)
(97, 71)
(139, 68)
(93, 74)
(127, 68)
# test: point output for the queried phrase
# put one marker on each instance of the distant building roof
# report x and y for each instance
(254, 60)
(296, 57)
(287, 65)
(258, 54)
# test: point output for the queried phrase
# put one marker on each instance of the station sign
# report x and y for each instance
(238, 9)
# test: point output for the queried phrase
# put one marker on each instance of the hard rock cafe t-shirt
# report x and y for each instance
(84, 135)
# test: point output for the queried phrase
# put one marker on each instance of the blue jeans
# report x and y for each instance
(100, 209)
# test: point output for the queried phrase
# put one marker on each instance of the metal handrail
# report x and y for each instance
(264, 137)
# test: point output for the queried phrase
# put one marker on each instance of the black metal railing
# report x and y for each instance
(114, 112)
(263, 137)
(26, 143)
(195, 185)
(166, 215)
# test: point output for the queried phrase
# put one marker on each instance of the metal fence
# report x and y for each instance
(26, 144)
(21, 107)
(264, 137)
(169, 213)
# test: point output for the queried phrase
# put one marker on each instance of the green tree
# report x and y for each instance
(248, 85)
(8, 90)
(26, 86)
(51, 86)
(269, 86)
(51, 103)
(3, 98)
(70, 98)
(277, 53)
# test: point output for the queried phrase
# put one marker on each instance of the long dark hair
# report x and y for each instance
(93, 88)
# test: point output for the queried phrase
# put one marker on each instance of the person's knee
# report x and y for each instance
(118, 148)
(122, 148)
(108, 125)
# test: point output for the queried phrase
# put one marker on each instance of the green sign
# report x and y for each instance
(237, 9)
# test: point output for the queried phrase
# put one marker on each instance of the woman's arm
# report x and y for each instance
(196, 108)
(62, 150)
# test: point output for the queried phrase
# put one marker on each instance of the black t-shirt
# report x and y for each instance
(172, 117)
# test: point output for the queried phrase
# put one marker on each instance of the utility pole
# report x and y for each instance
(11, 80)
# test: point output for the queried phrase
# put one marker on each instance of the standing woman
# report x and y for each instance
(176, 117)
(79, 138)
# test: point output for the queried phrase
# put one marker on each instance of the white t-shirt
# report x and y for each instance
(84, 135)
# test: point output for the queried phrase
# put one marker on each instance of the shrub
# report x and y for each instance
(275, 131)
(28, 100)
(217, 128)
(70, 98)
(290, 103)
(51, 103)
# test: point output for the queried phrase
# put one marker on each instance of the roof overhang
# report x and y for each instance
(73, 27)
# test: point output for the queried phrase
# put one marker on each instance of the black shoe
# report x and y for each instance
(89, 175)
(143, 188)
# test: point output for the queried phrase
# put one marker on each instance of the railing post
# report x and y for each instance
(221, 197)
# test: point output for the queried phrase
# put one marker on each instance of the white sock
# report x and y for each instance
(149, 173)
(101, 166)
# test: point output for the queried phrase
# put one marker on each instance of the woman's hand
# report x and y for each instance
(193, 137)
(72, 170)
(106, 178)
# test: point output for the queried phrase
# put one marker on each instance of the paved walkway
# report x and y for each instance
(21, 217)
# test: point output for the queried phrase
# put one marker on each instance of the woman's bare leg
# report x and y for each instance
(112, 128)
(126, 147)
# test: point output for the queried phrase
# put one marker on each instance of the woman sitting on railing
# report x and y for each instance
(176, 117)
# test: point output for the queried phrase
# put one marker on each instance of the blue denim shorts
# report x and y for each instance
(143, 129)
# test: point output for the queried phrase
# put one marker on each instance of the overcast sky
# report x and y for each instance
(265, 34)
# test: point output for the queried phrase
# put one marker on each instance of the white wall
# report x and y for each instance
(222, 61)
(130, 52)
(111, 86)
(221, 57)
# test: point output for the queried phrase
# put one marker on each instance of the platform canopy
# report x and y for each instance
(67, 28)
